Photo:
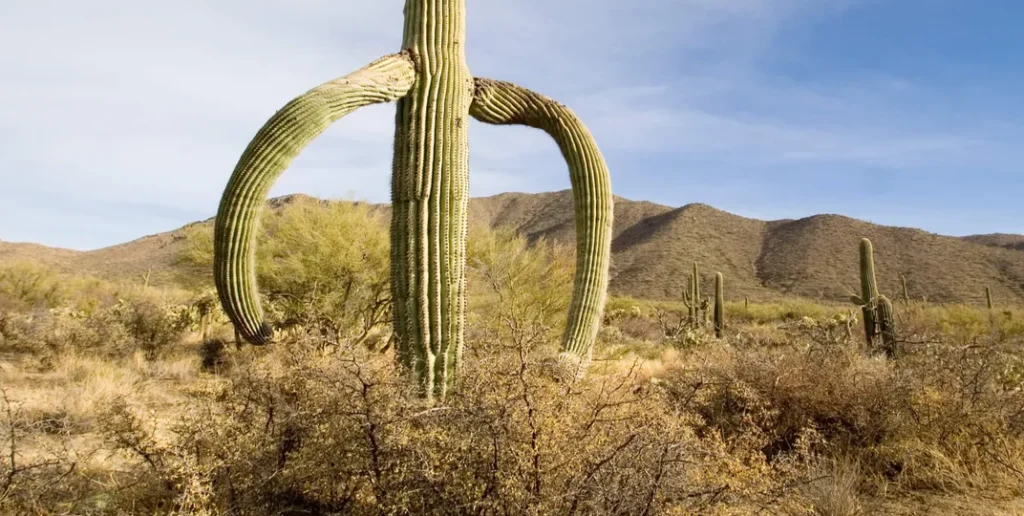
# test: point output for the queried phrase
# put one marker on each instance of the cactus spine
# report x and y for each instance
(436, 95)
(719, 304)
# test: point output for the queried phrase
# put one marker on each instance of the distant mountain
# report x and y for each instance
(1007, 241)
(655, 246)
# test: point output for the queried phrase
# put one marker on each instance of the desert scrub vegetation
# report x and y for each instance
(127, 399)
(721, 428)
(47, 314)
(322, 265)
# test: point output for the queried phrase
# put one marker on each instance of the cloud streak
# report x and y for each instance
(121, 119)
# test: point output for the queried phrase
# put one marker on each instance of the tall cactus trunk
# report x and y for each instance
(429, 191)
(693, 297)
(719, 305)
(430, 195)
(696, 283)
(988, 298)
(869, 291)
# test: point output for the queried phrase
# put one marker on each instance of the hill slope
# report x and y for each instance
(655, 246)
(1015, 242)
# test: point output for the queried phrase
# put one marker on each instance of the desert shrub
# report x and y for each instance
(140, 320)
(213, 355)
(839, 395)
(49, 333)
(944, 417)
(299, 430)
(33, 453)
(27, 286)
(148, 323)
(523, 289)
(320, 265)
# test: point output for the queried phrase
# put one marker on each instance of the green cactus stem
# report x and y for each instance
(904, 293)
(988, 298)
(887, 327)
(869, 290)
(691, 298)
(696, 282)
(435, 95)
(719, 305)
(502, 103)
(691, 310)
(267, 156)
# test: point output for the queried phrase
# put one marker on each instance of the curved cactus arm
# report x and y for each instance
(276, 144)
(503, 103)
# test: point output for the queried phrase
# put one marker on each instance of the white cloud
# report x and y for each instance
(146, 106)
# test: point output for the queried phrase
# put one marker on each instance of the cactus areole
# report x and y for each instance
(436, 95)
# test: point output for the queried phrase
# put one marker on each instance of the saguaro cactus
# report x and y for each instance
(988, 297)
(719, 305)
(429, 190)
(868, 290)
(886, 327)
(691, 298)
(877, 309)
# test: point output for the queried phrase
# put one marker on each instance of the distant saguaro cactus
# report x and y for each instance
(691, 298)
(719, 305)
(875, 308)
(903, 289)
(988, 297)
(436, 95)
(868, 290)
(887, 327)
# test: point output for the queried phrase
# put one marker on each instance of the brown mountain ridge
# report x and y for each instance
(655, 246)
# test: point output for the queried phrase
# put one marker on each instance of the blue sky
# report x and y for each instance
(121, 118)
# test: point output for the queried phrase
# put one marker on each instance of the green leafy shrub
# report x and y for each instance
(322, 266)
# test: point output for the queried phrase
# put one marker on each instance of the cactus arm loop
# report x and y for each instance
(274, 147)
(503, 103)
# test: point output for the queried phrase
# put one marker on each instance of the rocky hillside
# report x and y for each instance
(655, 246)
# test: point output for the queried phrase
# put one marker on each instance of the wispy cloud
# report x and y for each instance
(119, 119)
